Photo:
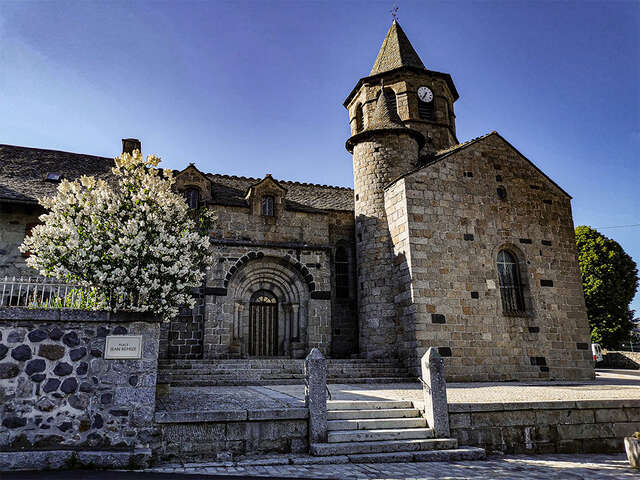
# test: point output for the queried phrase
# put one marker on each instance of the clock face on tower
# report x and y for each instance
(425, 94)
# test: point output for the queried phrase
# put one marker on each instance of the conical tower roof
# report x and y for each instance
(384, 115)
(396, 51)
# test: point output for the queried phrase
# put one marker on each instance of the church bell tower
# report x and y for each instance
(422, 98)
(399, 115)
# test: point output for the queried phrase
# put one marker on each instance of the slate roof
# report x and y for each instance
(396, 51)
(231, 190)
(23, 171)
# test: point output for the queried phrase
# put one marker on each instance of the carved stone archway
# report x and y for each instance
(285, 283)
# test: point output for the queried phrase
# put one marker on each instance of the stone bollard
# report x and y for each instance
(315, 395)
(436, 409)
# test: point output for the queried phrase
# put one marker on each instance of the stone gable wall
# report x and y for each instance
(456, 226)
(58, 392)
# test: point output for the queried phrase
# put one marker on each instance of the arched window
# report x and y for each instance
(510, 286)
(359, 118)
(342, 272)
(193, 197)
(267, 206)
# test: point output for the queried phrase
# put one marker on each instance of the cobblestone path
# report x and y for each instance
(542, 467)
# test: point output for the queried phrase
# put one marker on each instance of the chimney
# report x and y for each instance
(131, 144)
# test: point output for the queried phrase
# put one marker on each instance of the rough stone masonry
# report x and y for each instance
(58, 392)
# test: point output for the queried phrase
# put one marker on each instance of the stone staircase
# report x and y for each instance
(274, 371)
(385, 432)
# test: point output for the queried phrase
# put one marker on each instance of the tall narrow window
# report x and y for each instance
(342, 272)
(510, 286)
(267, 206)
(359, 118)
(193, 197)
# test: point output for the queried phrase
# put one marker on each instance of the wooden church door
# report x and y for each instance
(263, 325)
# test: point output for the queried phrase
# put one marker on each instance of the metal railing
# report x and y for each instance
(40, 292)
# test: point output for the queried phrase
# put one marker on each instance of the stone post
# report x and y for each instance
(434, 389)
(315, 395)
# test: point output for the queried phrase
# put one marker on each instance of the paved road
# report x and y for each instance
(96, 475)
(514, 467)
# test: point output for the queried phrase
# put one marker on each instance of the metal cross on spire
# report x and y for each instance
(394, 12)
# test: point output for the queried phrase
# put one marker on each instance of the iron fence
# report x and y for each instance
(40, 292)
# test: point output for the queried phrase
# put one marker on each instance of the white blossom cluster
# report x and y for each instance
(135, 241)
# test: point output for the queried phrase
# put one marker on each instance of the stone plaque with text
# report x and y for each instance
(123, 347)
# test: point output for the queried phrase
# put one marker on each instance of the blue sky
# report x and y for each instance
(247, 88)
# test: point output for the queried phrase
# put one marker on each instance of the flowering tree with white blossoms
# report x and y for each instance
(134, 241)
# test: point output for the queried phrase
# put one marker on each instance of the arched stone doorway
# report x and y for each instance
(270, 309)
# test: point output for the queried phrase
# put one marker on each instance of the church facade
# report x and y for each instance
(467, 247)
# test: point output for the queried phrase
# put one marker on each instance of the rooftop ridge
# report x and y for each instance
(54, 150)
(290, 182)
(452, 148)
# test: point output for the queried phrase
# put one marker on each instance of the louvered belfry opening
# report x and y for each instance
(263, 325)
(427, 110)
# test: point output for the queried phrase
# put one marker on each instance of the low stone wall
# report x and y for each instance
(626, 360)
(192, 436)
(597, 426)
(57, 392)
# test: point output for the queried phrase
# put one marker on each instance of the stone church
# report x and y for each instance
(467, 247)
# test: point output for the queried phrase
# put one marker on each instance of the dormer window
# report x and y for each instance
(267, 206)
(192, 196)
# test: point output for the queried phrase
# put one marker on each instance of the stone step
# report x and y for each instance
(233, 368)
(340, 436)
(330, 361)
(243, 381)
(359, 414)
(367, 404)
(385, 446)
(462, 453)
(258, 376)
(376, 423)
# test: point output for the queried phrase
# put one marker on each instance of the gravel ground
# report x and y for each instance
(608, 385)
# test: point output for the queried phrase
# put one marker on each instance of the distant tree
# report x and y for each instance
(610, 280)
